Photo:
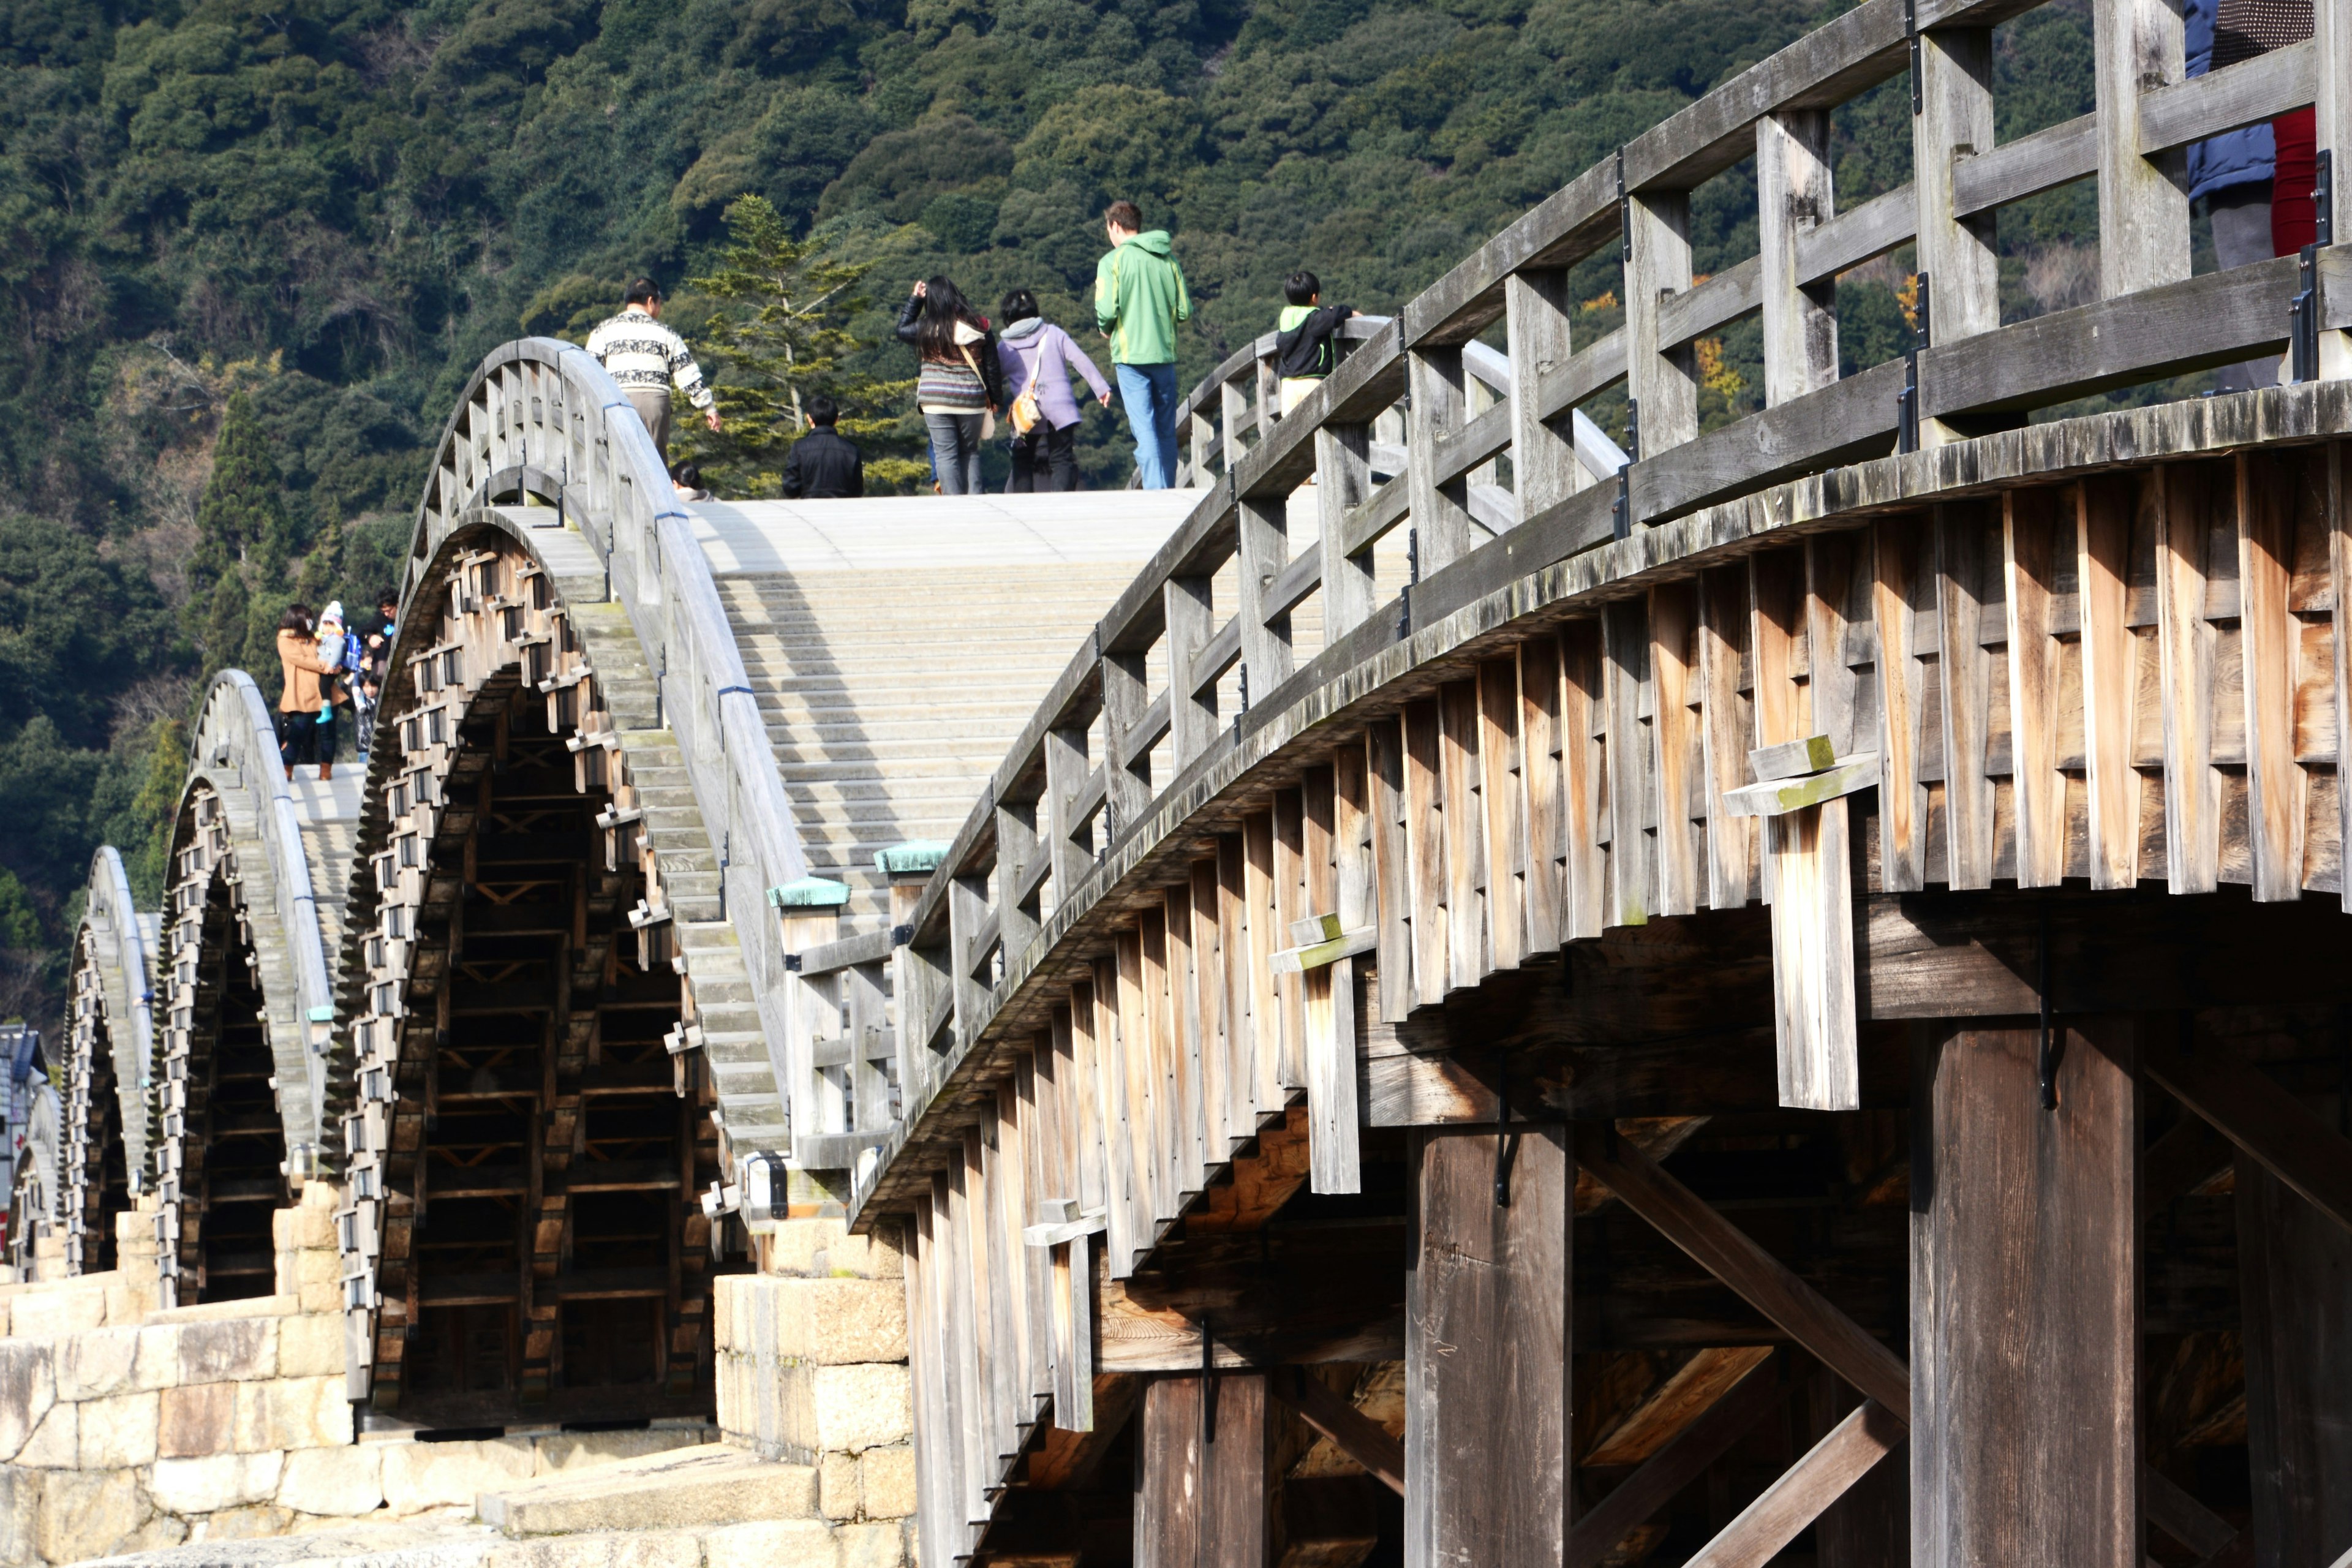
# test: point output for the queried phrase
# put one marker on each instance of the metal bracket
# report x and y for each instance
(1621, 510)
(1906, 402)
(1504, 1148)
(1911, 41)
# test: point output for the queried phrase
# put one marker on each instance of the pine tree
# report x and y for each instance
(786, 339)
(243, 516)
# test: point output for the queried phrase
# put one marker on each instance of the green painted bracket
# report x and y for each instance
(810, 893)
(915, 857)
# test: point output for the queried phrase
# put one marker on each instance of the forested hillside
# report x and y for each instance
(252, 251)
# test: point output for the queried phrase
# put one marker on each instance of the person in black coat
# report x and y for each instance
(822, 465)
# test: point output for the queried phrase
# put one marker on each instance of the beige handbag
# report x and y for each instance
(1025, 412)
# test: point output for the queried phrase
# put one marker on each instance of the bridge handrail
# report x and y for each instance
(1029, 856)
(126, 977)
(542, 416)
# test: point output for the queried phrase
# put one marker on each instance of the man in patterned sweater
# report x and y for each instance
(646, 358)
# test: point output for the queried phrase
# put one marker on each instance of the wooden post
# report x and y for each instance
(1663, 380)
(1343, 479)
(1264, 527)
(2143, 202)
(1958, 255)
(1203, 1488)
(1795, 194)
(2294, 1267)
(1544, 467)
(2025, 1298)
(1486, 1350)
(1441, 514)
(1191, 620)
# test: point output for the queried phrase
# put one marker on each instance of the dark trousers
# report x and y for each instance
(303, 739)
(1044, 459)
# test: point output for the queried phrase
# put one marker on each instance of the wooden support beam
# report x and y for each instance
(1731, 1255)
(2025, 1310)
(2271, 1125)
(1804, 1490)
(2295, 1271)
(1201, 1483)
(1487, 1349)
(2103, 508)
(1359, 1437)
(1682, 1460)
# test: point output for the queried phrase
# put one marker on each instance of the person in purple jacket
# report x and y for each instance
(1036, 351)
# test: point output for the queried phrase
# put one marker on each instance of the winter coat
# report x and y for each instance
(1140, 296)
(298, 658)
(1037, 339)
(1303, 344)
(823, 464)
(2235, 157)
(983, 344)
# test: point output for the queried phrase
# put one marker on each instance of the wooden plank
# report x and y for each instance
(2249, 92)
(1343, 482)
(1776, 628)
(1958, 254)
(2025, 1317)
(1633, 791)
(1191, 714)
(1187, 1056)
(2050, 157)
(1384, 767)
(1469, 954)
(2339, 579)
(1141, 1143)
(1963, 574)
(1487, 1349)
(1441, 516)
(2030, 566)
(1425, 846)
(1805, 1491)
(1359, 1437)
(2103, 519)
(1812, 958)
(1260, 935)
(1711, 305)
(2295, 1269)
(1695, 1387)
(1264, 551)
(1674, 731)
(1882, 224)
(1660, 376)
(1504, 798)
(1541, 774)
(1897, 579)
(1792, 760)
(1211, 992)
(2270, 642)
(1288, 907)
(2269, 1125)
(1725, 730)
(2192, 789)
(1201, 1483)
(1584, 765)
(1544, 469)
(1731, 1255)
(1795, 195)
(1830, 685)
(1678, 1462)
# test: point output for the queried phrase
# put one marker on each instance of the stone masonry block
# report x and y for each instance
(836, 1486)
(234, 1349)
(28, 1387)
(800, 1246)
(632, 1548)
(94, 1364)
(20, 1514)
(56, 1443)
(420, 1476)
(118, 1432)
(158, 1361)
(321, 1301)
(339, 1481)
(216, 1482)
(311, 1346)
(836, 1323)
(292, 1413)
(887, 1482)
(313, 1268)
(59, 1309)
(774, 1544)
(722, 1312)
(568, 1451)
(197, 1420)
(248, 1521)
(872, 1546)
(87, 1514)
(844, 1409)
(128, 1301)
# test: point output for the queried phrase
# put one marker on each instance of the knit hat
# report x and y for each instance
(334, 614)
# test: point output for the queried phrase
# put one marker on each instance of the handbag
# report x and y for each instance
(1025, 412)
(987, 415)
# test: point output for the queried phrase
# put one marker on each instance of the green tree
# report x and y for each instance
(786, 335)
(243, 516)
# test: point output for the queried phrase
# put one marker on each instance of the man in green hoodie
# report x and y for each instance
(1140, 297)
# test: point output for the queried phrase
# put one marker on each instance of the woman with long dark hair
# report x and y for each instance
(962, 381)
(301, 738)
(1045, 456)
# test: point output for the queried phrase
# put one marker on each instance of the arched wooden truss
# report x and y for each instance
(238, 844)
(109, 1064)
(497, 668)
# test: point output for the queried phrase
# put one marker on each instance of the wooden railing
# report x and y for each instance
(112, 997)
(1058, 824)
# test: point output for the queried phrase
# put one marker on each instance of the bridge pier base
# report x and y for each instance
(2025, 1296)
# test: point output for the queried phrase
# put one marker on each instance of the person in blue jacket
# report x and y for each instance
(2233, 173)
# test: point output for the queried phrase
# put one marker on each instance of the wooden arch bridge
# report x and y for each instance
(1523, 1002)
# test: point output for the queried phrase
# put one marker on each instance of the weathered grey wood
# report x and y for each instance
(1392, 867)
(1359, 1437)
(1587, 371)
(2025, 1313)
(2294, 1269)
(1709, 307)
(1424, 832)
(1469, 941)
(1901, 570)
(1192, 713)
(1675, 744)
(1726, 729)
(2110, 664)
(1661, 375)
(1790, 796)
(1812, 957)
(2192, 791)
(1201, 1482)
(1955, 93)
(1879, 225)
(1440, 515)
(2030, 557)
(1543, 780)
(1805, 1491)
(1832, 689)
(1632, 783)
(1126, 767)
(1544, 469)
(1794, 195)
(1487, 1349)
(1069, 838)
(2143, 198)
(2177, 112)
(2339, 579)
(2270, 647)
(2269, 1125)
(1503, 802)
(1684, 1459)
(1556, 232)
(2331, 46)
(1851, 419)
(1964, 570)
(2028, 166)
(1343, 479)
(1584, 897)
(1265, 552)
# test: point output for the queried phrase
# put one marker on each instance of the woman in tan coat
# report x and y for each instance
(301, 737)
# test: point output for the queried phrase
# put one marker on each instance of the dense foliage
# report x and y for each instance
(252, 251)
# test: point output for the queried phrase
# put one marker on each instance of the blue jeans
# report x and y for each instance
(1149, 393)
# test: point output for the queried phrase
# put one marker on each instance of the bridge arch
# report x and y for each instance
(109, 1065)
(240, 1078)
